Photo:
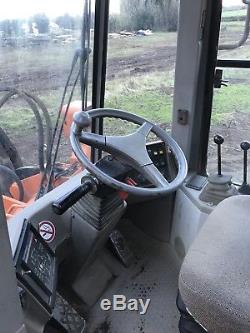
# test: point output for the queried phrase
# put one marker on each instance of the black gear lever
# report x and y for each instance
(219, 186)
(245, 187)
(218, 139)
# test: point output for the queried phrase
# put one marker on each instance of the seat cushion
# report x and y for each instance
(214, 280)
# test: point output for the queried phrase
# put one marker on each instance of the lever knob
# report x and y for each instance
(218, 139)
(245, 188)
(82, 120)
(245, 146)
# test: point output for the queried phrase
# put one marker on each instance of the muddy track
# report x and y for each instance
(158, 59)
(36, 80)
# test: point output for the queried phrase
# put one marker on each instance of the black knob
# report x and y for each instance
(245, 145)
(218, 139)
(82, 120)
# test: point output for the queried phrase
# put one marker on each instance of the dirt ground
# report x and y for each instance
(38, 80)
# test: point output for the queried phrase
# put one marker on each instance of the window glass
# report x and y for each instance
(141, 60)
(232, 30)
(38, 40)
(231, 104)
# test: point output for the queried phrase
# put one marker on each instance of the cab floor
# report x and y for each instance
(154, 275)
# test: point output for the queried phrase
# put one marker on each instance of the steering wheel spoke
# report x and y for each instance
(145, 129)
(154, 176)
(131, 148)
(92, 139)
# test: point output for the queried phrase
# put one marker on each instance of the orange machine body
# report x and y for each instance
(31, 184)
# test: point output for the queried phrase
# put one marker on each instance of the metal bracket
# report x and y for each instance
(183, 117)
(218, 79)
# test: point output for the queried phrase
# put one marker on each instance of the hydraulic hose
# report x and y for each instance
(31, 103)
(48, 122)
(8, 178)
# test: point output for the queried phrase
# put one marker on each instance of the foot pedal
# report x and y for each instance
(120, 248)
(67, 317)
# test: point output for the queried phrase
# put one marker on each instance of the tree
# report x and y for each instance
(66, 22)
(5, 27)
(10, 28)
(151, 14)
(42, 23)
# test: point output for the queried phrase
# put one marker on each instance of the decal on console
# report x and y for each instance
(47, 230)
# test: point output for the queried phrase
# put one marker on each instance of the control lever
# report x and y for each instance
(64, 203)
(219, 140)
(245, 187)
(219, 186)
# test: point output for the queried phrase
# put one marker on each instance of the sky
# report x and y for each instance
(229, 3)
(12, 9)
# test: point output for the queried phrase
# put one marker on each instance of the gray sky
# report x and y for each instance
(12, 9)
(25, 8)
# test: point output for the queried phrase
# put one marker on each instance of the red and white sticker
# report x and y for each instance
(47, 230)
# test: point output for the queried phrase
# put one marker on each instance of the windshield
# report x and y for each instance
(38, 41)
(45, 65)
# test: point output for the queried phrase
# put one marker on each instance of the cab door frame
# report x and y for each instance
(197, 47)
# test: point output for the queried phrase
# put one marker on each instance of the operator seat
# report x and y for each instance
(214, 280)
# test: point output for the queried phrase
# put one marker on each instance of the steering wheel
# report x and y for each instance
(129, 148)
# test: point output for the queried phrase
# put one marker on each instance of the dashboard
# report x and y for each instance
(162, 158)
(36, 266)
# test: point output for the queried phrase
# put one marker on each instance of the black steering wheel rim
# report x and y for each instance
(77, 138)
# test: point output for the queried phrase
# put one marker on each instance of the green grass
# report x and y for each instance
(149, 96)
(16, 116)
(234, 13)
(153, 106)
(229, 100)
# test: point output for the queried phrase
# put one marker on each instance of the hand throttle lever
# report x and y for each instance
(245, 146)
(68, 200)
(218, 139)
(245, 188)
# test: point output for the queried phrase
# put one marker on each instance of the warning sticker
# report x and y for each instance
(47, 230)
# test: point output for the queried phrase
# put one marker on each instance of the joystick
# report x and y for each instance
(219, 186)
(219, 140)
(219, 178)
(245, 187)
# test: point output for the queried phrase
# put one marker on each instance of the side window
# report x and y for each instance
(141, 59)
(231, 104)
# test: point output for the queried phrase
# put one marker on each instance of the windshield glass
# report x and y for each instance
(141, 60)
(38, 40)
